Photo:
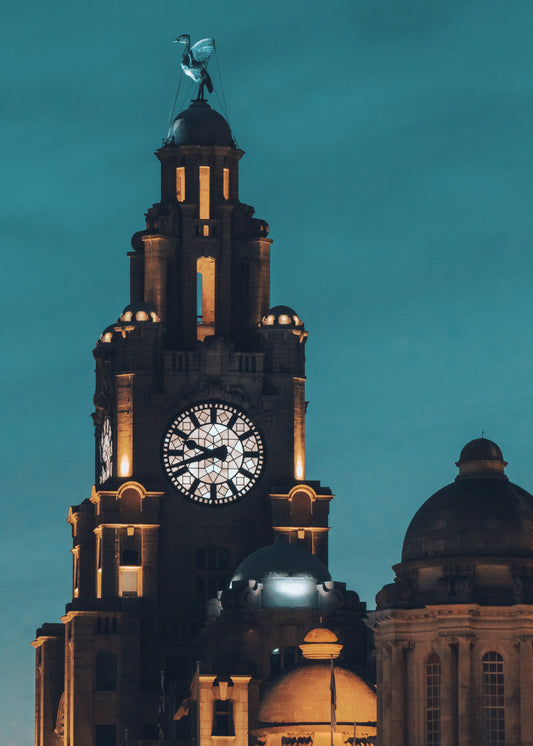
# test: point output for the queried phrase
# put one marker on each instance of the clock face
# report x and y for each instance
(213, 453)
(106, 451)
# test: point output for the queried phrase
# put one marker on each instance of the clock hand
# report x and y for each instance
(193, 444)
(220, 453)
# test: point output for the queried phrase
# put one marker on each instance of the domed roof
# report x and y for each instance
(481, 514)
(281, 558)
(200, 125)
(282, 316)
(302, 695)
(480, 449)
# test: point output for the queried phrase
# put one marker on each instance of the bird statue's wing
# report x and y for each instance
(202, 51)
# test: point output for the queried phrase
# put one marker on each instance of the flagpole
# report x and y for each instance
(197, 676)
(333, 693)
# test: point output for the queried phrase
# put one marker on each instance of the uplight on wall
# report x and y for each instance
(125, 465)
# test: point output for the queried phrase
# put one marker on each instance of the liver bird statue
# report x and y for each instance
(195, 59)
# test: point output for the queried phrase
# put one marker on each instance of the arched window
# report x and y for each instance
(106, 671)
(433, 686)
(493, 706)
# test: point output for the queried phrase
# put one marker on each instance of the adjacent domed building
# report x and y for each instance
(453, 632)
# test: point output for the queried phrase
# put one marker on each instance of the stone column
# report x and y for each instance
(384, 695)
(526, 691)
(464, 691)
(447, 691)
(398, 694)
(415, 717)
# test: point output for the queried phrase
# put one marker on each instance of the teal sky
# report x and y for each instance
(388, 146)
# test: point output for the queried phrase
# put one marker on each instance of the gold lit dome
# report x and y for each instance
(321, 644)
(303, 696)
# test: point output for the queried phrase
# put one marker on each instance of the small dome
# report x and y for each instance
(481, 514)
(282, 559)
(303, 695)
(200, 125)
(138, 313)
(282, 316)
(481, 448)
(320, 634)
(321, 644)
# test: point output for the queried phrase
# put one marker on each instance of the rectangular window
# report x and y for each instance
(130, 582)
(180, 184)
(204, 192)
(223, 718)
(225, 183)
(493, 700)
(433, 685)
(76, 572)
(105, 735)
(99, 565)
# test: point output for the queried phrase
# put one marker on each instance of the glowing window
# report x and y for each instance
(130, 582)
(204, 192)
(126, 316)
(180, 184)
(225, 183)
(433, 686)
(76, 572)
(141, 316)
(493, 704)
(205, 230)
(284, 319)
(99, 566)
(269, 320)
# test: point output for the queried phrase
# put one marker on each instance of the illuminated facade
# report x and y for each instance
(199, 480)
(454, 632)
(201, 554)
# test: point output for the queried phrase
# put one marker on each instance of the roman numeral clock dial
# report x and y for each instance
(213, 453)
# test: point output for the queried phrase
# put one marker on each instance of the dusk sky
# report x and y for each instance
(389, 147)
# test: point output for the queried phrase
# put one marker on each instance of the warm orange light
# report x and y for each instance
(125, 423)
(204, 192)
(180, 184)
(299, 428)
(225, 185)
(125, 465)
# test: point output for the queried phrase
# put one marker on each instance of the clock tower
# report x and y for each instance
(199, 449)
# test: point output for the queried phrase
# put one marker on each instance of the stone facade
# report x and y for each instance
(174, 511)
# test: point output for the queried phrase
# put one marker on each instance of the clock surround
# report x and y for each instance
(213, 453)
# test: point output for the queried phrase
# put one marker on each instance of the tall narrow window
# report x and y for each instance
(223, 718)
(76, 571)
(493, 713)
(225, 183)
(99, 564)
(205, 301)
(180, 184)
(204, 192)
(433, 685)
